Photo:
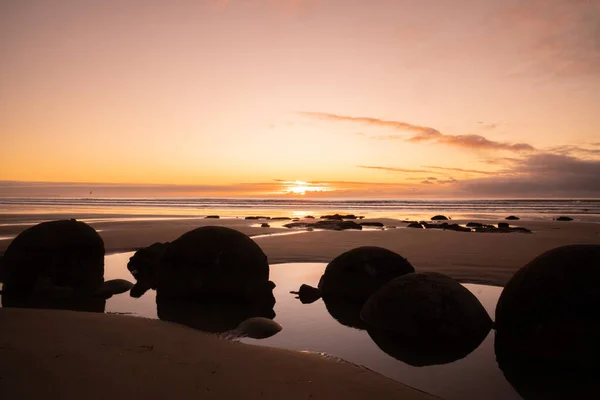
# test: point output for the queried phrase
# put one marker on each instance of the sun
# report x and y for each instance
(301, 188)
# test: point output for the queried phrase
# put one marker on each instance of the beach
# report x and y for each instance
(109, 343)
(70, 355)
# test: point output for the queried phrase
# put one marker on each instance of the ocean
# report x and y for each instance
(587, 210)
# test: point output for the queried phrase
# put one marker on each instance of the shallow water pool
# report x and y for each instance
(311, 327)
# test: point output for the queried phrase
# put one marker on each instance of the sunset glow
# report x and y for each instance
(299, 187)
(238, 98)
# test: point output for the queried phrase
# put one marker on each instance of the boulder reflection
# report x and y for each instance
(88, 304)
(415, 353)
(214, 317)
(535, 374)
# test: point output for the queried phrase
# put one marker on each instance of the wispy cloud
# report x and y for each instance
(425, 134)
(404, 126)
(575, 150)
(469, 141)
(473, 171)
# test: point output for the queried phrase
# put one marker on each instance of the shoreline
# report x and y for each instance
(490, 258)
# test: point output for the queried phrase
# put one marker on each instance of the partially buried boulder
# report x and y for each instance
(57, 264)
(439, 218)
(358, 273)
(564, 218)
(429, 310)
(548, 325)
(265, 225)
(210, 263)
(372, 224)
(415, 225)
(512, 218)
(336, 225)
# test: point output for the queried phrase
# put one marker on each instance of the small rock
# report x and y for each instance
(265, 225)
(512, 218)
(439, 218)
(212, 217)
(307, 294)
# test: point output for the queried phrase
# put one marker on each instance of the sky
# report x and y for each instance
(315, 98)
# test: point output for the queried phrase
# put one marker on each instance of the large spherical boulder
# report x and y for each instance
(548, 324)
(428, 308)
(54, 264)
(357, 274)
(207, 263)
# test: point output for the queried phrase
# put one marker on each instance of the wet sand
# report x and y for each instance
(107, 356)
(490, 258)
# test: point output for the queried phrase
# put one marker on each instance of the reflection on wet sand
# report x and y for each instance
(218, 317)
(89, 304)
(413, 352)
(535, 377)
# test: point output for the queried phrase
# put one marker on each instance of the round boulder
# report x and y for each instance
(548, 324)
(429, 309)
(439, 218)
(356, 274)
(55, 264)
(512, 218)
(210, 263)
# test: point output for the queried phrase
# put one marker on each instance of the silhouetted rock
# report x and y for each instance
(297, 225)
(358, 273)
(349, 216)
(512, 218)
(309, 217)
(257, 217)
(503, 225)
(439, 218)
(391, 226)
(415, 225)
(212, 217)
(336, 217)
(446, 226)
(374, 224)
(210, 263)
(307, 294)
(336, 225)
(56, 264)
(548, 325)
(430, 309)
(280, 219)
(563, 218)
(265, 225)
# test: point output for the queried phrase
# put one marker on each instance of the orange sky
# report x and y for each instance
(385, 98)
